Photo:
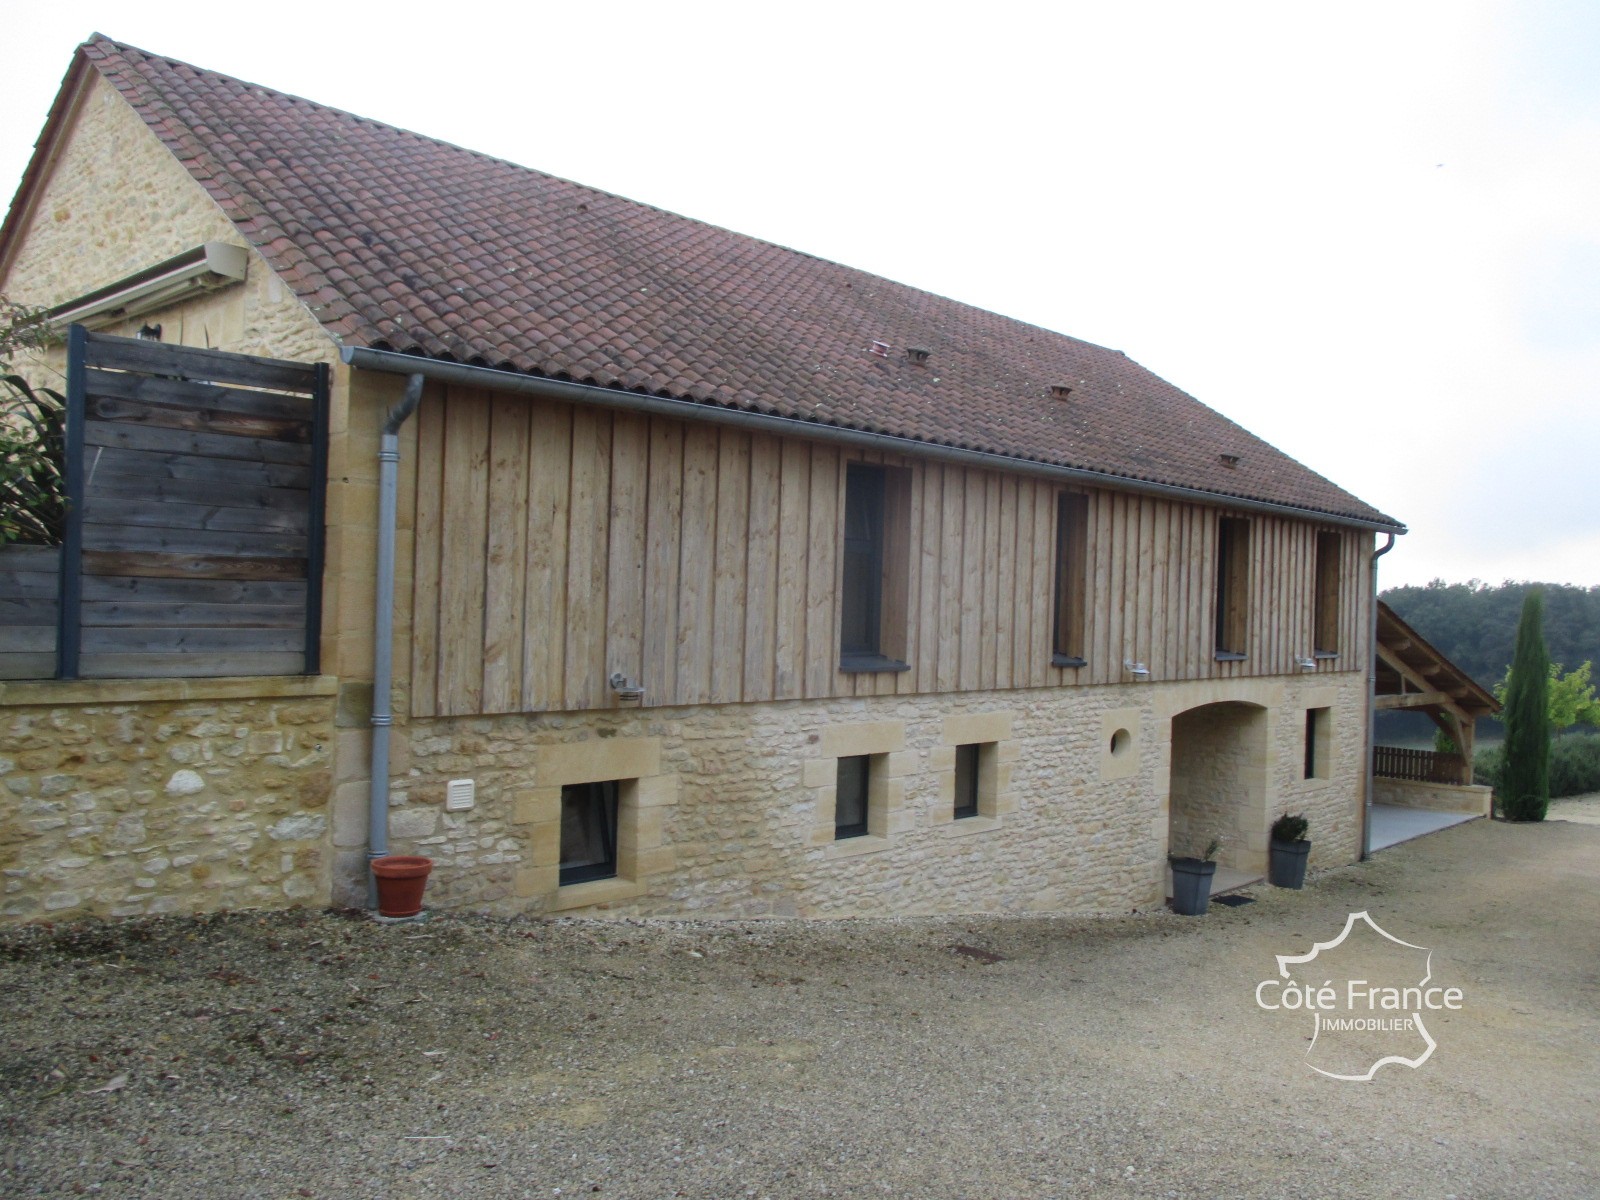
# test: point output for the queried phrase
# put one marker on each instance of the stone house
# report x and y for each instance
(725, 580)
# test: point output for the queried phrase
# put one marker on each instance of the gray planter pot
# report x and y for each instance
(1191, 886)
(1286, 864)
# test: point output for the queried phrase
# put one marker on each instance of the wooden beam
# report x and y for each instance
(1404, 670)
(1413, 700)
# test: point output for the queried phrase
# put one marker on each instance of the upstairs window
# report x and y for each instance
(872, 606)
(1325, 605)
(1072, 545)
(1233, 586)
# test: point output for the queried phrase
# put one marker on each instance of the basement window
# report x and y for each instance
(1319, 733)
(852, 797)
(588, 831)
(966, 802)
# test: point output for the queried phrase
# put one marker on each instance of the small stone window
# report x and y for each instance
(1319, 738)
(852, 797)
(588, 831)
(966, 798)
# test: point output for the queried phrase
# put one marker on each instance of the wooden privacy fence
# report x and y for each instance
(193, 543)
(1422, 766)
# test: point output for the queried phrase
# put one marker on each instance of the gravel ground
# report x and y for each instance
(316, 1054)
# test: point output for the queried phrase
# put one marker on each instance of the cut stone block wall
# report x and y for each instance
(1437, 797)
(126, 798)
(743, 791)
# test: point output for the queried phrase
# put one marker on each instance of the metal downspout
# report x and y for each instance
(383, 630)
(1372, 701)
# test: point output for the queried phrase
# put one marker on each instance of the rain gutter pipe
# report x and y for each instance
(383, 629)
(1372, 702)
(515, 382)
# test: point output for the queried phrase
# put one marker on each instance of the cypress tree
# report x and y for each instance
(1525, 778)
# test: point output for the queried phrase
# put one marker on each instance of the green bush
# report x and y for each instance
(31, 494)
(1574, 765)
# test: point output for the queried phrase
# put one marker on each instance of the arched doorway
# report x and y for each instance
(1218, 784)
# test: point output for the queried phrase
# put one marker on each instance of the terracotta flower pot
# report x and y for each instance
(401, 880)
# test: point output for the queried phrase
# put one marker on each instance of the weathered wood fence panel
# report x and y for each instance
(30, 578)
(194, 534)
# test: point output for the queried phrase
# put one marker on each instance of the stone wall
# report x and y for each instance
(1219, 759)
(117, 202)
(735, 825)
(1437, 797)
(123, 798)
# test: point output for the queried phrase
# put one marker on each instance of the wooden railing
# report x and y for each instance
(1422, 766)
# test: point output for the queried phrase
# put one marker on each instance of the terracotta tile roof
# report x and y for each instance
(401, 242)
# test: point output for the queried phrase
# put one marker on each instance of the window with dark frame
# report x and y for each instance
(588, 831)
(1325, 605)
(966, 781)
(850, 804)
(1317, 730)
(1072, 542)
(873, 581)
(1233, 583)
(860, 617)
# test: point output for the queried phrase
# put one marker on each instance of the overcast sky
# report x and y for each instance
(1368, 232)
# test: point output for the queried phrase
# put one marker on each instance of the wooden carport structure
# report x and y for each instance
(1411, 674)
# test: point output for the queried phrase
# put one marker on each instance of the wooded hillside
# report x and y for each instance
(1475, 623)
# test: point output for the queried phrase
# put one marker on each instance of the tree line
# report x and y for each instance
(1474, 624)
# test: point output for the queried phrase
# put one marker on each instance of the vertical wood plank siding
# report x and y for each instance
(556, 546)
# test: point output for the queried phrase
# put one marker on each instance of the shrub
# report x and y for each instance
(31, 505)
(1290, 829)
(1575, 766)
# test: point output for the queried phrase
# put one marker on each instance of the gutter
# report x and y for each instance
(690, 410)
(1372, 702)
(383, 630)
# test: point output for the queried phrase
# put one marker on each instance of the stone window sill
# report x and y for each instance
(964, 826)
(596, 891)
(857, 846)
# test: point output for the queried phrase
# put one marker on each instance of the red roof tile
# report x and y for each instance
(406, 243)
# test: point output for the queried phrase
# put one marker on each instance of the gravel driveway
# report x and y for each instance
(294, 1055)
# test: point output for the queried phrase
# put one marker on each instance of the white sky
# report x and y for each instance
(1369, 232)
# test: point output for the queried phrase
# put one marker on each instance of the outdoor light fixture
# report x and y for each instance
(1135, 668)
(1306, 664)
(628, 694)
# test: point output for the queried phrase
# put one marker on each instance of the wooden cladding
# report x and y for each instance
(194, 538)
(557, 545)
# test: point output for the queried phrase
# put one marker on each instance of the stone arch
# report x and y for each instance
(1217, 783)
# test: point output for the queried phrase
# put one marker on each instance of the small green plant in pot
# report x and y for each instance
(1191, 880)
(1286, 863)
